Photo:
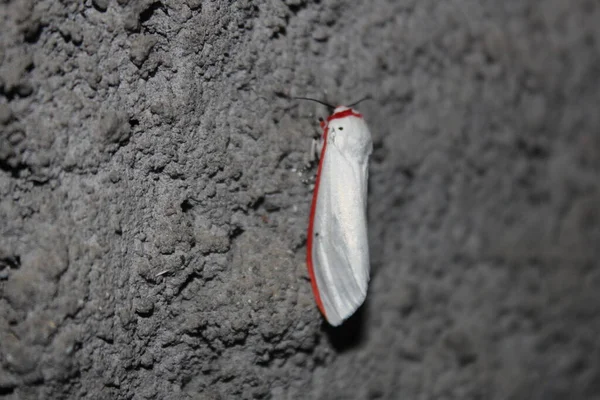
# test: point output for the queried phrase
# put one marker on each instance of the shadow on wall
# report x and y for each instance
(351, 333)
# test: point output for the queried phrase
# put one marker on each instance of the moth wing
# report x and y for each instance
(340, 253)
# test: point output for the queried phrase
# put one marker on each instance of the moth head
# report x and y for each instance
(340, 109)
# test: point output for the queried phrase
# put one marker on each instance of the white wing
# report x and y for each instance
(340, 252)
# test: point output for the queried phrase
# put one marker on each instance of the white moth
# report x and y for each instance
(338, 247)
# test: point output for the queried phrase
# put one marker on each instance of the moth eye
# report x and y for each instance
(341, 128)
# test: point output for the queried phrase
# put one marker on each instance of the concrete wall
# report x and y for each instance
(153, 224)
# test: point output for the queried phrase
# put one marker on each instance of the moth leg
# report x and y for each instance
(310, 159)
(317, 143)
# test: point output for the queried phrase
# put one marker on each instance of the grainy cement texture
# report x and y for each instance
(153, 228)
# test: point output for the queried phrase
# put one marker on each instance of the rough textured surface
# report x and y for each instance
(153, 228)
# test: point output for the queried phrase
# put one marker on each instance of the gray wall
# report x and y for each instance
(153, 224)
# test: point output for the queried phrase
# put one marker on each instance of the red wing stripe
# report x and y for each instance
(313, 209)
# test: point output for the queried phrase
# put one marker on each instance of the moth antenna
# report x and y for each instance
(315, 100)
(367, 97)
